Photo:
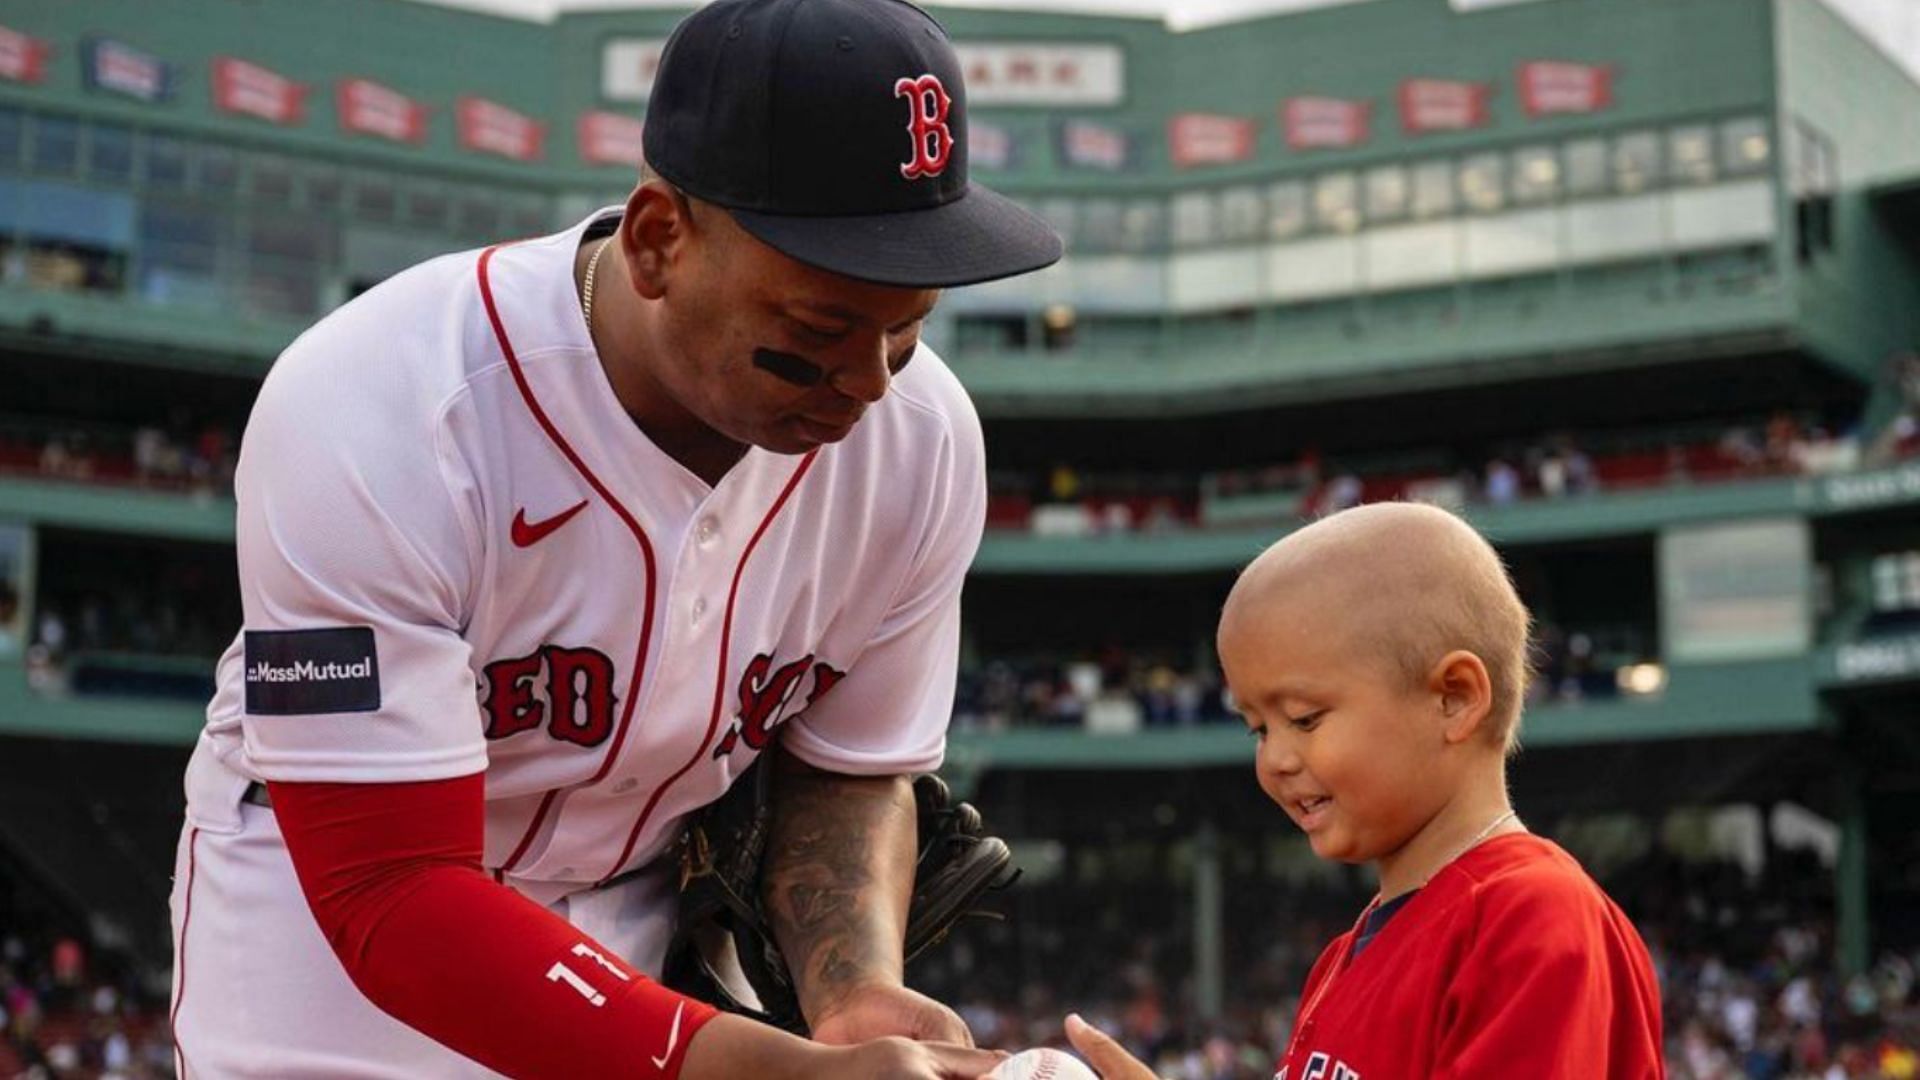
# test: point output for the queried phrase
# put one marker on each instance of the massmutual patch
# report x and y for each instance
(304, 672)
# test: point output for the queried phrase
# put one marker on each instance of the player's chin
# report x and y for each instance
(809, 433)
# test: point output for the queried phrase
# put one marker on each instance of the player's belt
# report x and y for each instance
(257, 795)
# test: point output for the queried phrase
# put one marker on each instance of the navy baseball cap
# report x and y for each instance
(835, 131)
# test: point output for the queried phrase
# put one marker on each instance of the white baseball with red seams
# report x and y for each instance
(555, 601)
(1045, 1063)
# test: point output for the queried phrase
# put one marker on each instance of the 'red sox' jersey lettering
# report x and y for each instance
(765, 693)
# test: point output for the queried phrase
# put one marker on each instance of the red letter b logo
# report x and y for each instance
(932, 139)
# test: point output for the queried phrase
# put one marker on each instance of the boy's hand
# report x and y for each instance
(1107, 1057)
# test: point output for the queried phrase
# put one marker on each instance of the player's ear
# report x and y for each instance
(1460, 683)
(655, 228)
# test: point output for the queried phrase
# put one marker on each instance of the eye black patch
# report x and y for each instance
(788, 367)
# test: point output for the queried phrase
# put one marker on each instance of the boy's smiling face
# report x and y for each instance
(1346, 746)
(1356, 649)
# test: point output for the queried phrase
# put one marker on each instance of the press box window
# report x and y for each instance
(1241, 214)
(271, 181)
(1635, 162)
(326, 190)
(219, 170)
(1102, 225)
(13, 127)
(1483, 182)
(1062, 214)
(1745, 147)
(1432, 189)
(166, 163)
(478, 218)
(56, 146)
(1536, 174)
(427, 208)
(529, 219)
(1585, 165)
(110, 153)
(1286, 209)
(1144, 225)
(373, 200)
(1690, 157)
(1193, 219)
(1336, 202)
(1389, 193)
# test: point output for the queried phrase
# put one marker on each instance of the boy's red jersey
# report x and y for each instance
(1510, 963)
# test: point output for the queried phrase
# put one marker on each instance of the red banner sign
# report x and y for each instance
(610, 138)
(1554, 86)
(488, 127)
(23, 58)
(1210, 139)
(1442, 105)
(371, 108)
(240, 86)
(1317, 122)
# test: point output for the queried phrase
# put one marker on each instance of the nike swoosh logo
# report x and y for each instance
(527, 535)
(673, 1038)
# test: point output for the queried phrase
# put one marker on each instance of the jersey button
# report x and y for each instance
(707, 532)
(625, 786)
(699, 609)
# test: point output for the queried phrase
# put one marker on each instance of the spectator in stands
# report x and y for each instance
(1784, 442)
(149, 453)
(1503, 483)
(1341, 493)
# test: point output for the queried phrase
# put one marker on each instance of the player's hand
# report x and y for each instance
(906, 1059)
(1107, 1057)
(880, 1010)
(728, 1047)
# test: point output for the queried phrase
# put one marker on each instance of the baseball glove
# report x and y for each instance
(722, 950)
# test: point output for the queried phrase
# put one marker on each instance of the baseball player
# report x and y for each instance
(541, 546)
(1379, 659)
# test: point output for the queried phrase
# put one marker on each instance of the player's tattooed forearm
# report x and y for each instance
(830, 885)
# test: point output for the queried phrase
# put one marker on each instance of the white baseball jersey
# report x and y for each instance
(458, 553)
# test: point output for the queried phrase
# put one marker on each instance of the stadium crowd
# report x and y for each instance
(184, 455)
(1066, 501)
(198, 457)
(1744, 962)
(1119, 690)
(1747, 980)
(69, 1009)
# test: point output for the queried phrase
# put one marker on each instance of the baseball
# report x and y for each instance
(1043, 1064)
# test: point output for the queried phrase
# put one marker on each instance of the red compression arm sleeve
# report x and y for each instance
(393, 874)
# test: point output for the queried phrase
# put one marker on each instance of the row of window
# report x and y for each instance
(61, 147)
(188, 189)
(1344, 200)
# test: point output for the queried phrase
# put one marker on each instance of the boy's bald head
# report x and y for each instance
(1405, 582)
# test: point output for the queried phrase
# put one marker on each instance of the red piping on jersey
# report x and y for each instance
(720, 678)
(180, 991)
(639, 535)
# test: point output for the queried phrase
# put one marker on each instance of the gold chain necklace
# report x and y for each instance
(1473, 843)
(586, 291)
(1313, 1003)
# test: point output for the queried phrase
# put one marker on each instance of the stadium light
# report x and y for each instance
(1642, 679)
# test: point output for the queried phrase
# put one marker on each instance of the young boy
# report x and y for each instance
(1379, 657)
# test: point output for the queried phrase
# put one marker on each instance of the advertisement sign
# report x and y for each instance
(251, 90)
